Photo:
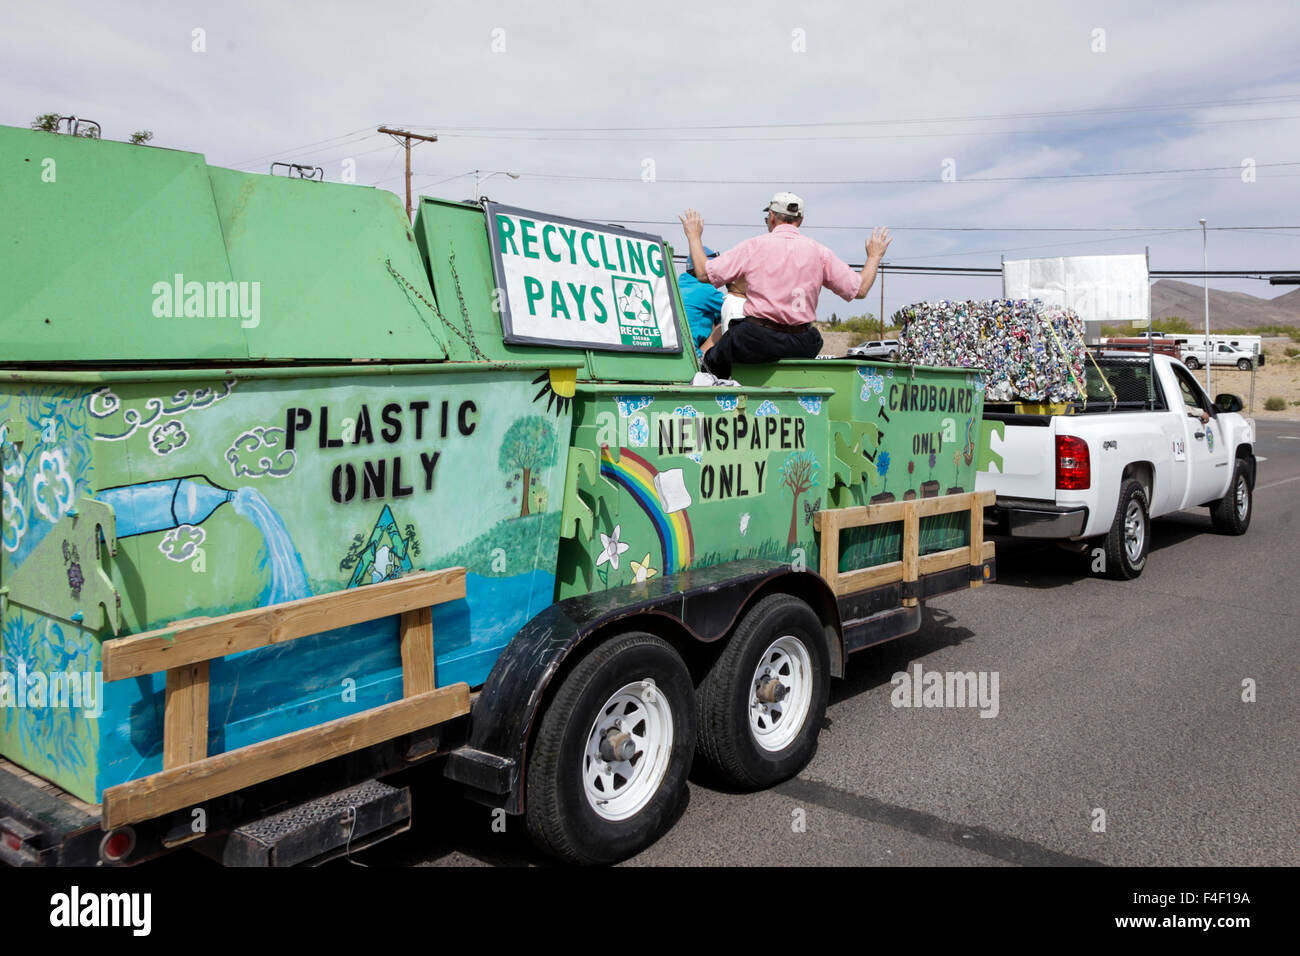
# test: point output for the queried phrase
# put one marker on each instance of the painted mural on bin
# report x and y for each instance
(241, 493)
(692, 480)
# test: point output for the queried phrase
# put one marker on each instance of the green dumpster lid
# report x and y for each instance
(129, 255)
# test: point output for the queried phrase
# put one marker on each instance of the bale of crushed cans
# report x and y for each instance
(1032, 352)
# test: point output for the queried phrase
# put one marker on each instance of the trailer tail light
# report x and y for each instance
(117, 845)
(1073, 466)
(17, 842)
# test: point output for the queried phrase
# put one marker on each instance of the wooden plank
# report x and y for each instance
(187, 786)
(850, 582)
(911, 547)
(976, 537)
(943, 561)
(926, 507)
(417, 651)
(185, 715)
(204, 640)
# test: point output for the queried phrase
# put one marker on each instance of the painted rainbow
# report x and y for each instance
(637, 475)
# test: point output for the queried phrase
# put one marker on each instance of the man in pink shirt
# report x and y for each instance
(785, 271)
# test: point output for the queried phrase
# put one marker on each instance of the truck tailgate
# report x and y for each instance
(1028, 459)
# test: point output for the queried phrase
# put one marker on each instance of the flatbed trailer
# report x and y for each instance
(486, 529)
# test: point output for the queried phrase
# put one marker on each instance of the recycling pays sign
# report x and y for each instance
(571, 283)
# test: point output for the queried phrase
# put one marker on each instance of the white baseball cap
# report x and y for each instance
(786, 204)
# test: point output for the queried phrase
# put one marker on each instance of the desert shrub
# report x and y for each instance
(1274, 404)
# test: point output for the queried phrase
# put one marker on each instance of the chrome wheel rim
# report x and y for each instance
(1243, 499)
(1134, 531)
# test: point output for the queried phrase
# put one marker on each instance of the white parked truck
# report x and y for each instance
(1194, 356)
(1141, 446)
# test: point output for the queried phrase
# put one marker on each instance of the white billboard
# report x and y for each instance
(1098, 288)
(571, 283)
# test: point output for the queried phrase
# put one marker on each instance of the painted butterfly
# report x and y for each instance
(810, 508)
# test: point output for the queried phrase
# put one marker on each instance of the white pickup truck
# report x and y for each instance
(1136, 450)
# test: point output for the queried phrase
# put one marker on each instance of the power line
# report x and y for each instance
(297, 149)
(1055, 131)
(898, 182)
(859, 228)
(1197, 104)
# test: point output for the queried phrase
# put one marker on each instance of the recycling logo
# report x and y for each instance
(634, 304)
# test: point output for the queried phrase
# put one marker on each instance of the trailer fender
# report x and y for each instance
(704, 604)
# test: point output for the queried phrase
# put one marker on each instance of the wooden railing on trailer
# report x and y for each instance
(913, 564)
(190, 776)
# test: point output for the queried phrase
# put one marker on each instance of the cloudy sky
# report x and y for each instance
(629, 113)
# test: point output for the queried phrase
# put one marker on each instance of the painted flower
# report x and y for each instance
(612, 548)
(811, 403)
(628, 404)
(768, 407)
(13, 519)
(638, 431)
(641, 570)
(182, 542)
(882, 463)
(726, 402)
(167, 437)
(52, 490)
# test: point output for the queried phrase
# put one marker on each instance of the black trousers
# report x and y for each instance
(747, 342)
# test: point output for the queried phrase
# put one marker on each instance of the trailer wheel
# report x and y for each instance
(609, 762)
(1129, 540)
(762, 702)
(1192, 363)
(1231, 513)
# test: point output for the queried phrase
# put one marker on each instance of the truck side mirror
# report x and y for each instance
(1227, 402)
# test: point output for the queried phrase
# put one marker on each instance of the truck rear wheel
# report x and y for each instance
(1192, 363)
(1243, 364)
(762, 702)
(1231, 513)
(609, 763)
(1129, 540)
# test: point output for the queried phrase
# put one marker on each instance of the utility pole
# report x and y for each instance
(1205, 269)
(404, 137)
(882, 300)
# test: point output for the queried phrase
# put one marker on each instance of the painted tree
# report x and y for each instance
(529, 446)
(799, 474)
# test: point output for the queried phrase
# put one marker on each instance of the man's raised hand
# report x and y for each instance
(692, 224)
(878, 243)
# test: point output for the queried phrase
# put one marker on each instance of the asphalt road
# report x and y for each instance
(1124, 697)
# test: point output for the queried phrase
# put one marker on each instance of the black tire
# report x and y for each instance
(893, 355)
(1124, 562)
(727, 744)
(1231, 513)
(1192, 363)
(1243, 364)
(560, 817)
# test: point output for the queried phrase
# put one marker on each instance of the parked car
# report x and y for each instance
(883, 349)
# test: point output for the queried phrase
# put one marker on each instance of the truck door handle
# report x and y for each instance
(1198, 435)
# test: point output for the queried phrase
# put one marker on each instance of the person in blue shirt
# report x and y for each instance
(703, 303)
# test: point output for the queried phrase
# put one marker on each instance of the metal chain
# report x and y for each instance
(469, 342)
(464, 312)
